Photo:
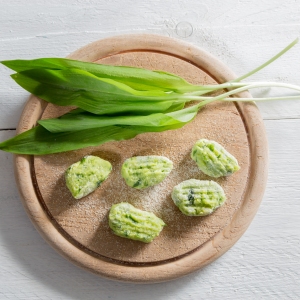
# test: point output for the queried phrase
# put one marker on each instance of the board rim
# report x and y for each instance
(210, 250)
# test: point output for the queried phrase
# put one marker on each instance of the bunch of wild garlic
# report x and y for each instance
(114, 103)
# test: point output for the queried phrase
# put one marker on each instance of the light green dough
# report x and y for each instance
(141, 172)
(213, 160)
(83, 177)
(129, 222)
(198, 197)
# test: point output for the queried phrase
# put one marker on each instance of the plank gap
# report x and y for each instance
(281, 119)
(7, 129)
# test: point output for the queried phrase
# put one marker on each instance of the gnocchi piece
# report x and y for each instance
(141, 172)
(129, 222)
(84, 176)
(213, 160)
(198, 197)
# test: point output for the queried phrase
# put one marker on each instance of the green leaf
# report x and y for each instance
(39, 141)
(187, 114)
(75, 122)
(91, 93)
(137, 78)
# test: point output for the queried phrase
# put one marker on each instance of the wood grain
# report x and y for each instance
(222, 229)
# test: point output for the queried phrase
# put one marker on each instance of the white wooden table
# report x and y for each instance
(265, 262)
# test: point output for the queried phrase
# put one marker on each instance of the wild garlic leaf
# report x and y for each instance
(39, 141)
(137, 78)
(91, 93)
(76, 121)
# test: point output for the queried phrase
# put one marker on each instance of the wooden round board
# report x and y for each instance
(79, 229)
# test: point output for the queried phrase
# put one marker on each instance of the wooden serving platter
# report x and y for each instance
(79, 229)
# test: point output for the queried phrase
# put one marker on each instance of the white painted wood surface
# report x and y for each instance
(265, 263)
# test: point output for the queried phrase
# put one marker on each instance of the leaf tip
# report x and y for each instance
(14, 76)
(7, 63)
(4, 62)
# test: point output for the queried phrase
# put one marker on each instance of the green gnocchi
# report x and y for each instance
(129, 222)
(198, 197)
(213, 160)
(84, 176)
(141, 172)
